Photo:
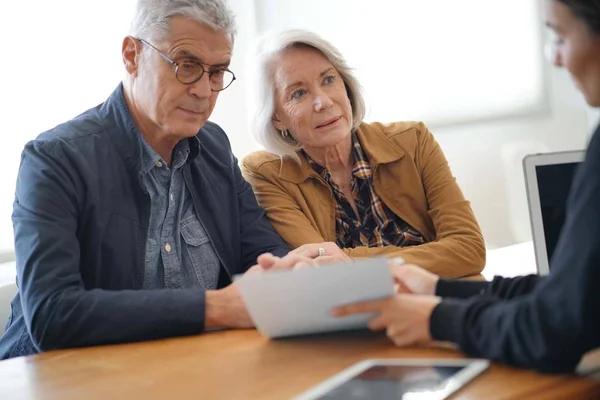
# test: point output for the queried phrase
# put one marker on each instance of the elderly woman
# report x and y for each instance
(335, 187)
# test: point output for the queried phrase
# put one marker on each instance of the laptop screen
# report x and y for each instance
(554, 184)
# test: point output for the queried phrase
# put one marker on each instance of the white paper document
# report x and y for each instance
(297, 302)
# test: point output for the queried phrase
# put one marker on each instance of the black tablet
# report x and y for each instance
(407, 379)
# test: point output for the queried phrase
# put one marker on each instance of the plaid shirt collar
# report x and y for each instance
(377, 226)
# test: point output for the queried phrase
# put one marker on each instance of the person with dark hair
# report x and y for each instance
(587, 11)
(545, 323)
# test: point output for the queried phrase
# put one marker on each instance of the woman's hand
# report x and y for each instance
(321, 253)
(308, 255)
(413, 279)
(405, 317)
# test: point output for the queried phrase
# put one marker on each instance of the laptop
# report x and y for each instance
(548, 180)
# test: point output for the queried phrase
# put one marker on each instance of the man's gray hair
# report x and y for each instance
(270, 47)
(152, 17)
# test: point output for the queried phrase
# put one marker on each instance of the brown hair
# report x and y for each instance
(587, 11)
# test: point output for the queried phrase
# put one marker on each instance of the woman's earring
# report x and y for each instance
(286, 135)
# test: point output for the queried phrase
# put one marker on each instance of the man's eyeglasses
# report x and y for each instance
(189, 71)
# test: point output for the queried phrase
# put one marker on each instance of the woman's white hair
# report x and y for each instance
(152, 17)
(270, 47)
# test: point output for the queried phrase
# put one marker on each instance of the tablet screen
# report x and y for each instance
(395, 382)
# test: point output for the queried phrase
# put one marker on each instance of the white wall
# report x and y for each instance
(485, 157)
(58, 59)
(231, 111)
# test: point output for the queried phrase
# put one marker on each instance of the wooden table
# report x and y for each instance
(244, 365)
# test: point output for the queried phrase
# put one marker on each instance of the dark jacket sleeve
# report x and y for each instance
(551, 328)
(503, 288)
(256, 233)
(58, 311)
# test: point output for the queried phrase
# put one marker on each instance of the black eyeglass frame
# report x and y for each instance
(176, 68)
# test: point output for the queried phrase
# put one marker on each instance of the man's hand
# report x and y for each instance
(413, 279)
(268, 261)
(405, 317)
(226, 309)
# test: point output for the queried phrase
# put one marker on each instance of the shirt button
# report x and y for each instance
(168, 248)
(158, 164)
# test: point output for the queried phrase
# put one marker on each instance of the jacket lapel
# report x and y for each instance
(380, 148)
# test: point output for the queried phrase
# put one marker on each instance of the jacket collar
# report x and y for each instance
(125, 135)
(379, 148)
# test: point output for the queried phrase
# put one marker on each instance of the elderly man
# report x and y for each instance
(131, 219)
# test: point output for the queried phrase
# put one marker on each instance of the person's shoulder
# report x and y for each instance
(591, 161)
(262, 161)
(215, 146)
(410, 136)
(397, 130)
(212, 136)
(70, 136)
(594, 144)
(213, 128)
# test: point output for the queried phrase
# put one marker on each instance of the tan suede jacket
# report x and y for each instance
(410, 174)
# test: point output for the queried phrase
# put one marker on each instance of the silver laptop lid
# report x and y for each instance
(548, 179)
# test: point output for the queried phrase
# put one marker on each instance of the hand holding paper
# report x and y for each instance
(296, 302)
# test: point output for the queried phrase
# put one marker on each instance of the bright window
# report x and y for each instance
(433, 60)
(59, 58)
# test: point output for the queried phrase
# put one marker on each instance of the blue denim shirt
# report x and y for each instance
(170, 261)
(81, 218)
